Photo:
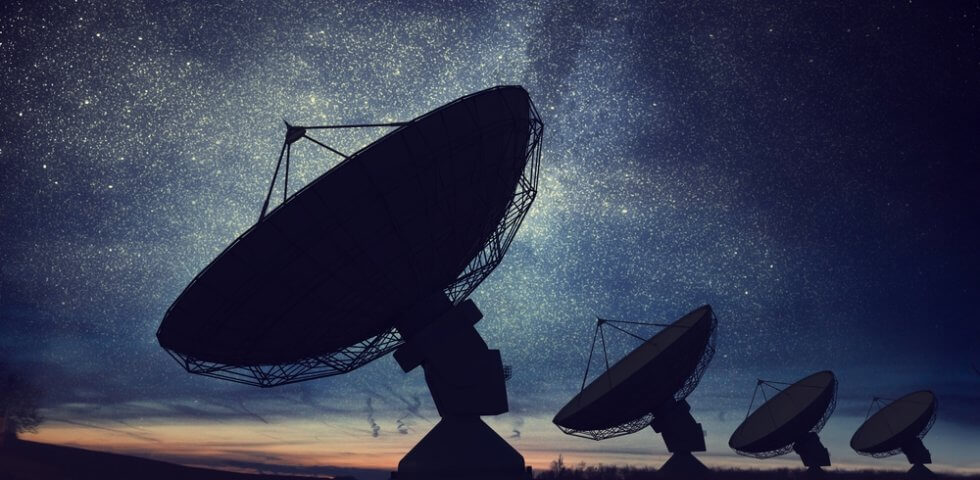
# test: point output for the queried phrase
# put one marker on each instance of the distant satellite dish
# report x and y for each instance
(648, 387)
(790, 420)
(899, 427)
(380, 253)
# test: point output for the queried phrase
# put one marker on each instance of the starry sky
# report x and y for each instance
(807, 168)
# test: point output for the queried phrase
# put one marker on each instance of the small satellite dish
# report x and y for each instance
(377, 254)
(899, 427)
(648, 387)
(790, 420)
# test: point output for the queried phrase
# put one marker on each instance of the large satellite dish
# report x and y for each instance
(899, 427)
(790, 420)
(648, 387)
(380, 253)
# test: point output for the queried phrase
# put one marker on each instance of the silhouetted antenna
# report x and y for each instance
(790, 420)
(380, 254)
(647, 387)
(898, 427)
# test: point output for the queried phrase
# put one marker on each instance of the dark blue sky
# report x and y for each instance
(809, 169)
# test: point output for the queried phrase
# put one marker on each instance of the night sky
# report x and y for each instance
(808, 169)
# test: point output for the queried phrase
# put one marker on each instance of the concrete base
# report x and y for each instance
(920, 471)
(459, 448)
(683, 465)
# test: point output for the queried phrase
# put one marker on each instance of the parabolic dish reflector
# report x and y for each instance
(667, 366)
(907, 418)
(774, 427)
(313, 289)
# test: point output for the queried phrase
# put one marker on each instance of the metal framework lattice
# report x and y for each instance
(643, 421)
(769, 453)
(877, 401)
(817, 427)
(709, 353)
(359, 354)
(496, 246)
(626, 428)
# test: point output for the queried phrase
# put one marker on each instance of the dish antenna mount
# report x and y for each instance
(648, 387)
(789, 420)
(379, 254)
(899, 427)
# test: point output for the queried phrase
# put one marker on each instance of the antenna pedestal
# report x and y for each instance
(466, 380)
(683, 465)
(920, 471)
(811, 451)
(918, 454)
(462, 447)
(682, 435)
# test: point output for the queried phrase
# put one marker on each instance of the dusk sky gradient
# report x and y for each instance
(807, 168)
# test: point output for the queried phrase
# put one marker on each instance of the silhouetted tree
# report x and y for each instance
(558, 466)
(581, 471)
(19, 400)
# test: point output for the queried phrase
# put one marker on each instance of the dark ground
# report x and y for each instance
(21, 460)
(632, 473)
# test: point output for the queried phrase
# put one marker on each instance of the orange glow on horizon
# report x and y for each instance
(305, 444)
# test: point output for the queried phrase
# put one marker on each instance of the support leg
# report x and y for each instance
(466, 380)
(813, 454)
(682, 435)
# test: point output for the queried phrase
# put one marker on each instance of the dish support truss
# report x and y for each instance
(813, 431)
(626, 428)
(357, 355)
(877, 402)
(643, 421)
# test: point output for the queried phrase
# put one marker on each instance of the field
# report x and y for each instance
(21, 460)
(630, 473)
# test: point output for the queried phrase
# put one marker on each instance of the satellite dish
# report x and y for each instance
(648, 387)
(790, 420)
(377, 254)
(899, 427)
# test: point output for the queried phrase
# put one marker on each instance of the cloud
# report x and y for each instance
(413, 406)
(252, 414)
(375, 429)
(401, 426)
(516, 426)
(137, 434)
(307, 396)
